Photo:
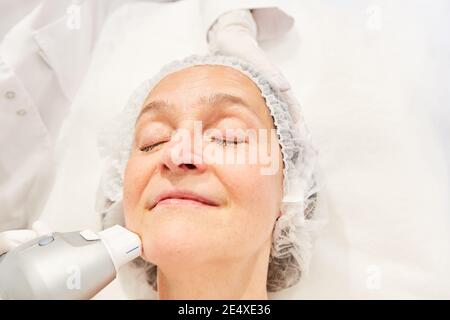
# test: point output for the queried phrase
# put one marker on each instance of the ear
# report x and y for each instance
(279, 215)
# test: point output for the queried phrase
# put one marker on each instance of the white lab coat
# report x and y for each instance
(43, 58)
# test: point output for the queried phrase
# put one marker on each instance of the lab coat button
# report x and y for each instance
(10, 94)
(46, 241)
(21, 112)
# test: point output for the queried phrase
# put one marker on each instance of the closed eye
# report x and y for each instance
(227, 142)
(223, 142)
(151, 147)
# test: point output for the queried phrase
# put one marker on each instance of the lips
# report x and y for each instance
(182, 197)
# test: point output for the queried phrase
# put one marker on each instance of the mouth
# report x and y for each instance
(182, 198)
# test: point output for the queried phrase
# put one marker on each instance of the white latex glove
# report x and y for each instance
(13, 238)
(235, 34)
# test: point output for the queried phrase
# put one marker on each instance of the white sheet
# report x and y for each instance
(373, 79)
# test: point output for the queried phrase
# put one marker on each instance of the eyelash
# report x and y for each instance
(221, 142)
(150, 147)
(226, 142)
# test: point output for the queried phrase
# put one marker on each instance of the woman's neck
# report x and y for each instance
(243, 279)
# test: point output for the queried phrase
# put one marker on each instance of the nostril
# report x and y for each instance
(189, 165)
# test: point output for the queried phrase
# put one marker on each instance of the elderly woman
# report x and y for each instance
(212, 227)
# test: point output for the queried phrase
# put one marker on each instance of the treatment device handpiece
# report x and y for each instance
(73, 265)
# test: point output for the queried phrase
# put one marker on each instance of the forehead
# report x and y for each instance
(185, 88)
(205, 78)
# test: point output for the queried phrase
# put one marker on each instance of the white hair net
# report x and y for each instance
(291, 245)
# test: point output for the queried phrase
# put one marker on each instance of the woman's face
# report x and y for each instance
(240, 204)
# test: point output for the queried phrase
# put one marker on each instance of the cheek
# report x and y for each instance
(257, 197)
(135, 180)
(255, 202)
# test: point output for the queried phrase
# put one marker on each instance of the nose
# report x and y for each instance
(183, 154)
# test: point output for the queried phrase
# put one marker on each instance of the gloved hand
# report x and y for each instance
(235, 33)
(13, 238)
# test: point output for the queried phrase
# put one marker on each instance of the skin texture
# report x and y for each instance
(203, 252)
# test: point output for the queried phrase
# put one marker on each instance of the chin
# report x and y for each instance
(171, 239)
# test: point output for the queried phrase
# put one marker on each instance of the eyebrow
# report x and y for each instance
(215, 99)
